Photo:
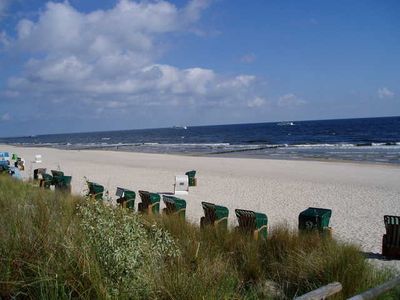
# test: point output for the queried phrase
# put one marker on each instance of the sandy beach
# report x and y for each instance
(358, 194)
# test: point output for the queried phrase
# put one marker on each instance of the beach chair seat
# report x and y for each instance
(95, 190)
(391, 240)
(253, 223)
(38, 172)
(214, 215)
(126, 198)
(150, 202)
(46, 181)
(314, 218)
(63, 183)
(192, 177)
(174, 206)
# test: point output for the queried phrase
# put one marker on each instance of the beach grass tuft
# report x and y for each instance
(58, 246)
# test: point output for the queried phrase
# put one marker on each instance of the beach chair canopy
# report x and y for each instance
(391, 240)
(4, 156)
(174, 205)
(252, 222)
(46, 181)
(150, 202)
(56, 173)
(214, 214)
(191, 176)
(126, 197)
(37, 172)
(314, 218)
(95, 190)
(62, 183)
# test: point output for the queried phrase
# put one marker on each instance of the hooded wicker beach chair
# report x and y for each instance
(63, 183)
(192, 177)
(214, 215)
(95, 190)
(391, 240)
(126, 198)
(174, 206)
(38, 172)
(314, 218)
(46, 181)
(150, 202)
(253, 223)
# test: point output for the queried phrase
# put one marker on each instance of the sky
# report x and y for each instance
(87, 65)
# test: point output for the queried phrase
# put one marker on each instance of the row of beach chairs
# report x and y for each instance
(250, 222)
(254, 223)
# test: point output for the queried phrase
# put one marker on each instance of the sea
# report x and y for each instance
(373, 140)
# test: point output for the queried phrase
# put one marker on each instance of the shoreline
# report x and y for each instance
(359, 194)
(221, 155)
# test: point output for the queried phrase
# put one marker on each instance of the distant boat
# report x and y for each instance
(179, 127)
(285, 124)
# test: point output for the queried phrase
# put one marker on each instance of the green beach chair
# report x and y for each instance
(63, 183)
(126, 198)
(214, 215)
(252, 223)
(391, 240)
(192, 177)
(174, 206)
(37, 172)
(95, 190)
(314, 218)
(46, 181)
(150, 202)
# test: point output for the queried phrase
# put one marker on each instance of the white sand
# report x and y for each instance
(358, 194)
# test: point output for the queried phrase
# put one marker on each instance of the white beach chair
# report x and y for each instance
(181, 186)
(38, 159)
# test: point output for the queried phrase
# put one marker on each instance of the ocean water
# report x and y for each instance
(369, 139)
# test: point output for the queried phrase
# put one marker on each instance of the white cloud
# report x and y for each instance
(385, 93)
(290, 100)
(86, 59)
(256, 102)
(5, 117)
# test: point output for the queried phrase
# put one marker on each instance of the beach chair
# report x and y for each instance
(95, 191)
(174, 206)
(253, 223)
(46, 181)
(150, 202)
(192, 180)
(391, 240)
(37, 172)
(62, 183)
(314, 218)
(214, 215)
(126, 198)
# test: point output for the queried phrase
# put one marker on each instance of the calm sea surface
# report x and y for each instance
(371, 139)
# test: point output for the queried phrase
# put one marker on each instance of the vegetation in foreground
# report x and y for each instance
(56, 246)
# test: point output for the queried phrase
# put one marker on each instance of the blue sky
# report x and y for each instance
(107, 65)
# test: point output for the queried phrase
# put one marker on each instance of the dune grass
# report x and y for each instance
(56, 246)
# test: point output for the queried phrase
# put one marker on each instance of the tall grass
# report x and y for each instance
(56, 246)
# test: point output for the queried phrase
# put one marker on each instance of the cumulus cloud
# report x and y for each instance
(290, 100)
(108, 59)
(384, 92)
